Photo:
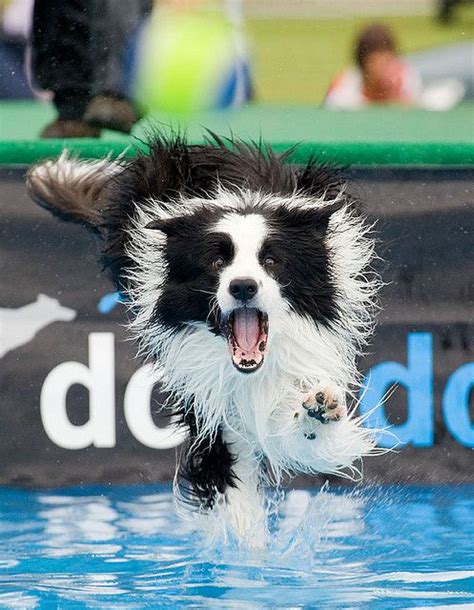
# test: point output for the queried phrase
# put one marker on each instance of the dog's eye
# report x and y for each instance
(269, 261)
(218, 263)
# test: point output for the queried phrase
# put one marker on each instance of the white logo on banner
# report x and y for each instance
(99, 378)
(19, 326)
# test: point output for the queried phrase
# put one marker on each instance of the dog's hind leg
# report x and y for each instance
(244, 509)
(206, 470)
(219, 478)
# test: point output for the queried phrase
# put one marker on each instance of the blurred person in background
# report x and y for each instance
(446, 8)
(15, 25)
(77, 49)
(380, 75)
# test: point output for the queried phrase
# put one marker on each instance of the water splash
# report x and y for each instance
(125, 547)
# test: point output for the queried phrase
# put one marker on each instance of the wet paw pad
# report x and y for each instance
(324, 406)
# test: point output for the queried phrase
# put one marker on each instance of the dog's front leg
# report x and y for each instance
(325, 402)
(244, 509)
(310, 430)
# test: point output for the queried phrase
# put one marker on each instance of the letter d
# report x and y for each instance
(98, 378)
(417, 378)
(456, 404)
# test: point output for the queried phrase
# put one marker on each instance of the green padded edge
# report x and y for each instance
(344, 153)
(385, 136)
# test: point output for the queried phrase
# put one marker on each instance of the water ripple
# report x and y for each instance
(126, 548)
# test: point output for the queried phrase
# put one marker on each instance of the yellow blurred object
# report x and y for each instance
(186, 60)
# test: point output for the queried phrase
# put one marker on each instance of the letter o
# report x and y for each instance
(137, 411)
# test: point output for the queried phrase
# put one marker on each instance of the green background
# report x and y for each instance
(376, 136)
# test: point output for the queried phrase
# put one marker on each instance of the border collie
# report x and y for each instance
(250, 288)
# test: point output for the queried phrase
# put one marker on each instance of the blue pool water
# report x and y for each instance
(124, 547)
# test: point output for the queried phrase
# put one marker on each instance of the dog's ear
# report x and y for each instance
(166, 226)
(171, 227)
(309, 218)
(71, 188)
(320, 180)
(321, 216)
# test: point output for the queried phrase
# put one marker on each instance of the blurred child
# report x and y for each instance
(381, 76)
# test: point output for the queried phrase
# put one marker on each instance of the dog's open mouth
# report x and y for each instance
(246, 330)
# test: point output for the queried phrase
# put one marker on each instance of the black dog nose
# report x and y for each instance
(243, 288)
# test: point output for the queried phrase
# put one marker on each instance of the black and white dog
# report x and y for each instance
(250, 287)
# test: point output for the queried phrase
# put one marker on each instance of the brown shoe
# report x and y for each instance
(62, 128)
(109, 112)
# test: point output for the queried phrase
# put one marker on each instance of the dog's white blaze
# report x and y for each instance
(248, 234)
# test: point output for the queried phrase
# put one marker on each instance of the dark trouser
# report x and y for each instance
(114, 23)
(77, 48)
(13, 80)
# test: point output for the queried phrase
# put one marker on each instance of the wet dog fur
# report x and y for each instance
(250, 289)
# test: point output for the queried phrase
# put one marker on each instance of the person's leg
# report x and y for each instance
(13, 82)
(111, 32)
(61, 62)
(113, 27)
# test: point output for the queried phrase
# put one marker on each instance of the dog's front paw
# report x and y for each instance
(325, 403)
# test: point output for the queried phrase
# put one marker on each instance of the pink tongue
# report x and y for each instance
(246, 328)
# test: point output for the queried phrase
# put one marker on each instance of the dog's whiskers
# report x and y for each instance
(213, 309)
(203, 291)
